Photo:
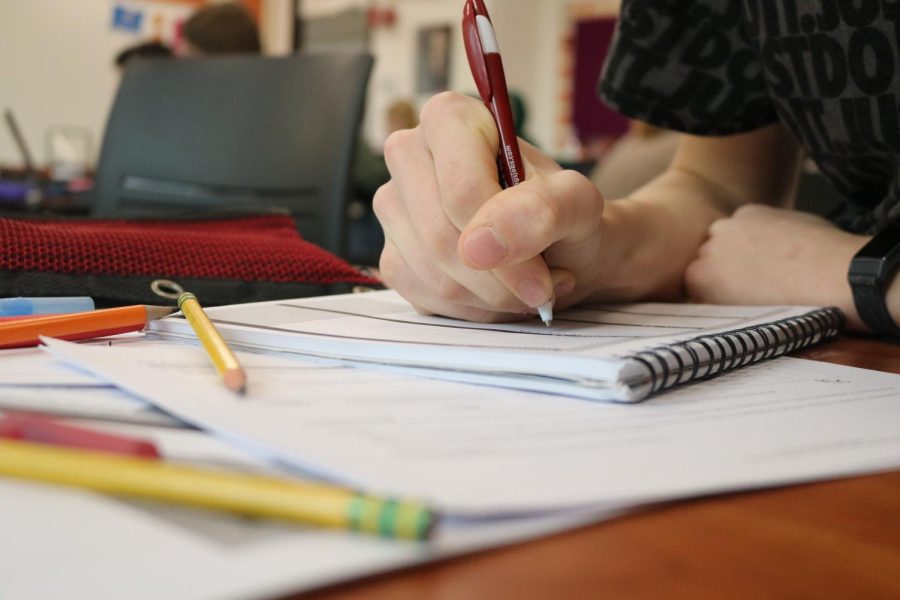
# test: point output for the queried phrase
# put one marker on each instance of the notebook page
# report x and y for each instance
(579, 355)
(594, 330)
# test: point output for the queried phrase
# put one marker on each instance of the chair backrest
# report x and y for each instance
(243, 131)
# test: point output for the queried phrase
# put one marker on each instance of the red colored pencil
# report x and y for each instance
(40, 429)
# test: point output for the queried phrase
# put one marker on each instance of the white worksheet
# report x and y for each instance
(479, 451)
(67, 543)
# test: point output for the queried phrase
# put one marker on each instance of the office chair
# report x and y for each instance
(236, 132)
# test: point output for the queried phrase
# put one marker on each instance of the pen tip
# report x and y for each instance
(546, 313)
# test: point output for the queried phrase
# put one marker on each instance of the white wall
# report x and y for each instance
(56, 66)
(528, 32)
(395, 52)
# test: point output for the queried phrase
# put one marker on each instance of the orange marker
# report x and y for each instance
(21, 333)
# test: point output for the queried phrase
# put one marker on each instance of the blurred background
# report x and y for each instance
(56, 59)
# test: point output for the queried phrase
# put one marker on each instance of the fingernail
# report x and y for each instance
(532, 293)
(483, 248)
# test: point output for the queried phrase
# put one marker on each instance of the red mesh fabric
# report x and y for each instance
(263, 248)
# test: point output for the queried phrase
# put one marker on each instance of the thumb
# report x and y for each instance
(519, 223)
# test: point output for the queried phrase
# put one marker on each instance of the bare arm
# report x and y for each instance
(762, 254)
(655, 234)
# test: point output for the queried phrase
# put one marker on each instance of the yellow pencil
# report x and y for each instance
(250, 495)
(222, 357)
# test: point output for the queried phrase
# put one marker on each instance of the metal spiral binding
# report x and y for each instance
(710, 355)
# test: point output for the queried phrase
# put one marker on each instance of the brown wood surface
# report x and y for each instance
(838, 539)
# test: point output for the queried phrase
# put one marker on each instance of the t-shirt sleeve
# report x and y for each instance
(687, 65)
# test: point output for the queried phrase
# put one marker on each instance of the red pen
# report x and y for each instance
(487, 69)
(43, 430)
(483, 53)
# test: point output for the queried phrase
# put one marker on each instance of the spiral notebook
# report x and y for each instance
(621, 353)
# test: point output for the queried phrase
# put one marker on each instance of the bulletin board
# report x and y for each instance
(592, 119)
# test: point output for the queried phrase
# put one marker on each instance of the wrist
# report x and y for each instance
(835, 289)
(629, 263)
(892, 298)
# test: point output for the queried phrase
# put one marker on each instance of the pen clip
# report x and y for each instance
(475, 52)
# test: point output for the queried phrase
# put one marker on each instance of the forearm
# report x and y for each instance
(654, 235)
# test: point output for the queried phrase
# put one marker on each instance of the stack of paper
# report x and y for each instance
(502, 464)
(479, 451)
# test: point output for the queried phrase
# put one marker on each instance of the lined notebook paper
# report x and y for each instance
(620, 353)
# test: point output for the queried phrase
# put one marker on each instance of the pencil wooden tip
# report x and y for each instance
(235, 380)
(158, 312)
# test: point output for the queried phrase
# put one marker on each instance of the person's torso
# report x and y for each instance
(832, 68)
(828, 69)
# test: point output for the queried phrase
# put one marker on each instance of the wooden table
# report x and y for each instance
(839, 539)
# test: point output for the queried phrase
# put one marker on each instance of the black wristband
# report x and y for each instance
(870, 275)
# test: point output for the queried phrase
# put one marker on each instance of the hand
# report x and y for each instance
(765, 255)
(456, 244)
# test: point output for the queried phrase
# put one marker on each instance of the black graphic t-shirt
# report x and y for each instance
(829, 70)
